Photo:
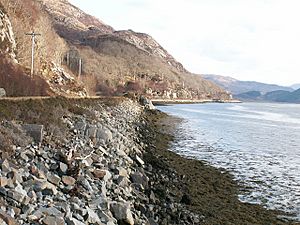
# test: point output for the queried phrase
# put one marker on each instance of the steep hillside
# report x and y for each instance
(118, 61)
(78, 52)
(238, 87)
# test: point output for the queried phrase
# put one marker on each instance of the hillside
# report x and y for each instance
(77, 54)
(273, 96)
(237, 87)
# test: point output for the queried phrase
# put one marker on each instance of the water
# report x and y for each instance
(259, 143)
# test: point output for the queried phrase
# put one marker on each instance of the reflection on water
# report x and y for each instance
(258, 142)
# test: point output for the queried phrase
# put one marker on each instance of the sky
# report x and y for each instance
(245, 39)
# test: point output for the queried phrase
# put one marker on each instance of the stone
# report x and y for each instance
(99, 174)
(122, 213)
(46, 188)
(53, 220)
(122, 172)
(18, 194)
(67, 180)
(139, 178)
(53, 178)
(35, 131)
(92, 216)
(73, 221)
(5, 166)
(7, 219)
(2, 92)
(104, 134)
(63, 167)
(3, 181)
(91, 131)
(139, 160)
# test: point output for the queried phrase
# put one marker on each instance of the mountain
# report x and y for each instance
(78, 54)
(295, 86)
(237, 87)
(273, 96)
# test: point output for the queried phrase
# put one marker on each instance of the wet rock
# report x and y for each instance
(122, 213)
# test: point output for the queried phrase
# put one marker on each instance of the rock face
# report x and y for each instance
(7, 38)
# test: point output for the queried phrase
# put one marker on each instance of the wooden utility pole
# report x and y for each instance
(33, 35)
(80, 67)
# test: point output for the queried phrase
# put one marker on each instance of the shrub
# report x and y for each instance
(16, 83)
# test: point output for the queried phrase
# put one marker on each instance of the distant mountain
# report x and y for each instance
(295, 86)
(237, 87)
(273, 96)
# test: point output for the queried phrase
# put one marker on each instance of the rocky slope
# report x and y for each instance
(104, 161)
(78, 52)
(237, 87)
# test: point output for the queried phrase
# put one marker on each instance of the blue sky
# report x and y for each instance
(246, 39)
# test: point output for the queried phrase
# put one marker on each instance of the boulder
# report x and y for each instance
(122, 213)
(53, 220)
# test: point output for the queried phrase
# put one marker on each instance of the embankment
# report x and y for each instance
(105, 161)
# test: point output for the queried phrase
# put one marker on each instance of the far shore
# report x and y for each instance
(191, 101)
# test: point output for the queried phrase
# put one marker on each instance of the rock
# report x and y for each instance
(63, 167)
(52, 220)
(35, 131)
(104, 134)
(139, 160)
(100, 174)
(7, 219)
(46, 188)
(92, 216)
(67, 180)
(17, 194)
(122, 213)
(5, 166)
(147, 103)
(2, 92)
(73, 221)
(53, 178)
(3, 181)
(139, 178)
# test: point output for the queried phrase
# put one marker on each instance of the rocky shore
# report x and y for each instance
(105, 161)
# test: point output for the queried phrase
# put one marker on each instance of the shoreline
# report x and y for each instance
(190, 101)
(107, 161)
(210, 193)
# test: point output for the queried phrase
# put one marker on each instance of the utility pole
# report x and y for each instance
(80, 68)
(33, 35)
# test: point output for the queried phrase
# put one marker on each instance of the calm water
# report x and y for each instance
(258, 142)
